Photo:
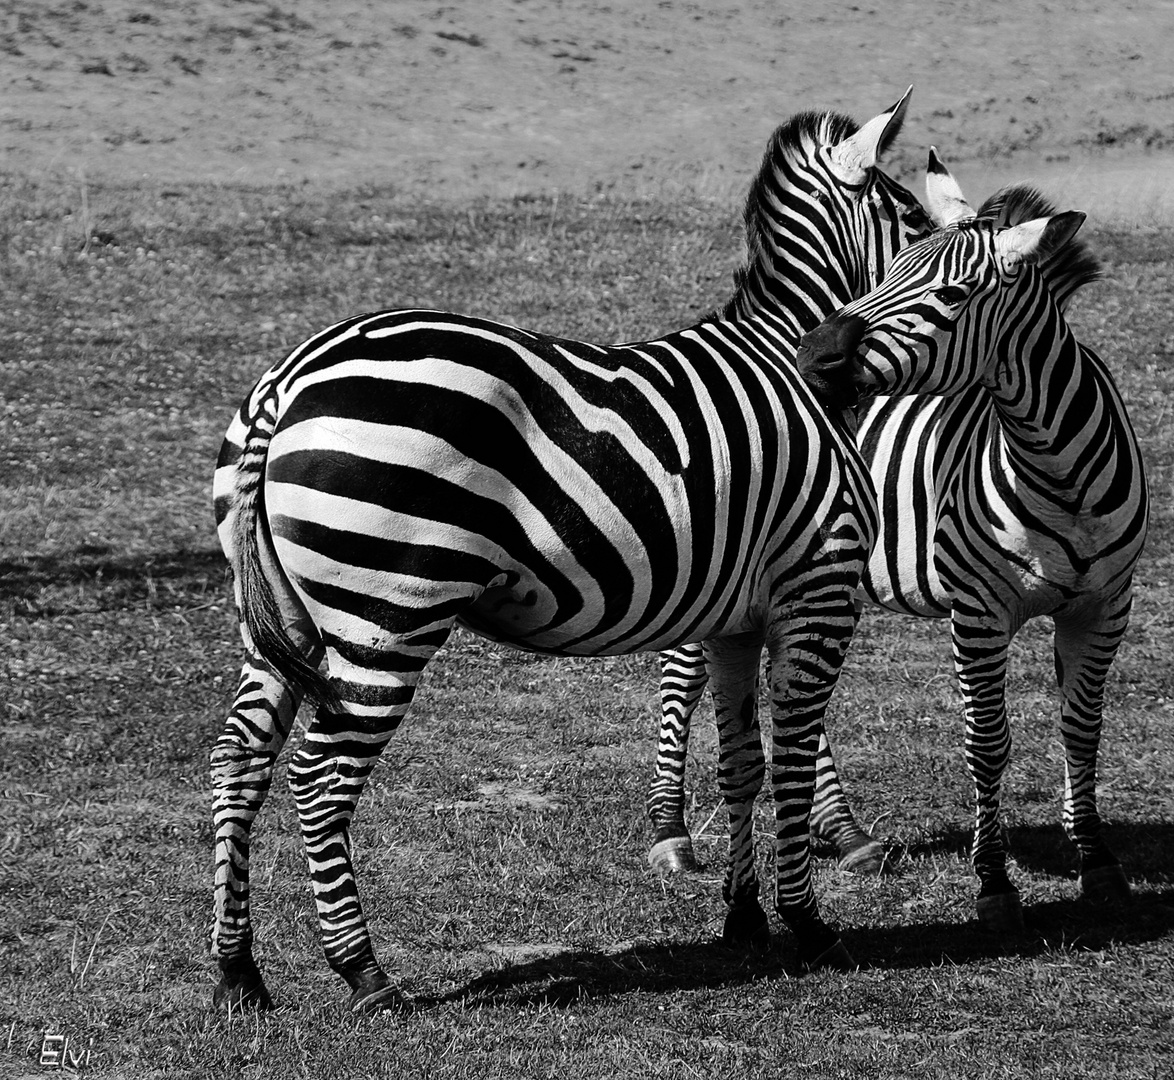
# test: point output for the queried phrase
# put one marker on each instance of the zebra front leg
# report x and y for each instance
(733, 669)
(1085, 647)
(832, 820)
(980, 659)
(807, 653)
(242, 770)
(683, 679)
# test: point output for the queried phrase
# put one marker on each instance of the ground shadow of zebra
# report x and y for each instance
(1145, 848)
(1073, 924)
(564, 979)
(44, 586)
(97, 563)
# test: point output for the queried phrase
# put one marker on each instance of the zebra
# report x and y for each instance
(805, 284)
(406, 471)
(926, 458)
(1024, 496)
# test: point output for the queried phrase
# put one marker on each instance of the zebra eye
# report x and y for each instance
(918, 219)
(950, 294)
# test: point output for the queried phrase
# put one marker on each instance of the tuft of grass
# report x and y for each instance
(501, 841)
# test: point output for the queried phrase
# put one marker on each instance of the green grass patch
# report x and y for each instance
(501, 841)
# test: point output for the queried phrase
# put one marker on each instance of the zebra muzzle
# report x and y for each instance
(828, 362)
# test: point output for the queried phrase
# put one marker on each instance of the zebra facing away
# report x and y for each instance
(403, 472)
(1024, 496)
(829, 262)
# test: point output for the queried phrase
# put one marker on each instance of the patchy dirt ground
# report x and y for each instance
(573, 95)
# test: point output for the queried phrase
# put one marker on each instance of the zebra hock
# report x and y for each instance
(819, 234)
(1025, 496)
(405, 472)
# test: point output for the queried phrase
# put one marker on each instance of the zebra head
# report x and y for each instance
(822, 220)
(951, 303)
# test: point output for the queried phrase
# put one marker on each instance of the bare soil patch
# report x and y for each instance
(571, 95)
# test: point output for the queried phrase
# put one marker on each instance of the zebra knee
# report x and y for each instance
(312, 773)
(240, 773)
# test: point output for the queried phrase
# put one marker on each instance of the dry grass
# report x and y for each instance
(501, 841)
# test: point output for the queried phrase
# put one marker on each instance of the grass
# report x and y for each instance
(501, 841)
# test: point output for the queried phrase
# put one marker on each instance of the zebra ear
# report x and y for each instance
(1033, 241)
(943, 197)
(854, 156)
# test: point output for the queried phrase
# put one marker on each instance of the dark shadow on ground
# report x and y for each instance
(1070, 924)
(43, 586)
(1145, 849)
(563, 979)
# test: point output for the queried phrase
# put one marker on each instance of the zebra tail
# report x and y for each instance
(259, 608)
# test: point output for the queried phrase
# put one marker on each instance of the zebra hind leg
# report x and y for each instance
(683, 679)
(832, 821)
(327, 776)
(1084, 651)
(242, 770)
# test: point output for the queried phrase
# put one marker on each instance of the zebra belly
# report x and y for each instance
(379, 556)
(506, 615)
(903, 573)
(1033, 574)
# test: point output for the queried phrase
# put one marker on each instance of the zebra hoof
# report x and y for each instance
(242, 993)
(871, 859)
(673, 856)
(747, 928)
(1002, 913)
(373, 1000)
(1106, 885)
(834, 958)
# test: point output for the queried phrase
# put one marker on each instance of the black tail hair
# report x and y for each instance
(259, 610)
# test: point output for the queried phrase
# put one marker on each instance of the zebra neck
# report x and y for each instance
(780, 326)
(1049, 394)
(799, 300)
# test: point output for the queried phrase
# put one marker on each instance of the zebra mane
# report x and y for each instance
(795, 139)
(1066, 270)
